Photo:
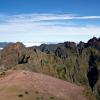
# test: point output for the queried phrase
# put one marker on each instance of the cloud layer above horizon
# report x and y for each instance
(48, 27)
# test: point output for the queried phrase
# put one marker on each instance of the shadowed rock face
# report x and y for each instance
(92, 76)
(80, 46)
(70, 45)
(59, 52)
(66, 60)
(94, 42)
(23, 59)
(97, 85)
(93, 72)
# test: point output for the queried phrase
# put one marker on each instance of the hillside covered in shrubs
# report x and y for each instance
(75, 63)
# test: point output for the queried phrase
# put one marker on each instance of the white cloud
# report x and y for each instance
(29, 44)
(30, 25)
(88, 17)
(43, 17)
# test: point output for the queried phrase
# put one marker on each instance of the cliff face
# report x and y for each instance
(68, 61)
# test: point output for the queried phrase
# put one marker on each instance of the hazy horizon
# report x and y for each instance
(33, 43)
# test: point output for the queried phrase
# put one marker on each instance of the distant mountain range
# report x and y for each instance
(4, 44)
(27, 44)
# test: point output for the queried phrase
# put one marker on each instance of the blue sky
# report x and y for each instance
(49, 20)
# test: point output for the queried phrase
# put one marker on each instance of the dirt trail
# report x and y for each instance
(32, 81)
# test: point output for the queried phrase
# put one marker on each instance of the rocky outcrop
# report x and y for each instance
(94, 42)
(10, 55)
(93, 72)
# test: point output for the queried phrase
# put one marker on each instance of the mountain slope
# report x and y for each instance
(25, 85)
(75, 63)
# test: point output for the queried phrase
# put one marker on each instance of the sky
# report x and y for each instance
(49, 21)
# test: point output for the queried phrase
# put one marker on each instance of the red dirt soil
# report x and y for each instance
(42, 83)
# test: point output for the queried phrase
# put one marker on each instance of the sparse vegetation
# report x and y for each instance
(66, 61)
(37, 98)
(52, 98)
(36, 92)
(3, 73)
(20, 95)
(26, 92)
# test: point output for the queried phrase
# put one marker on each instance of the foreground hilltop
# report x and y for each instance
(75, 63)
(26, 85)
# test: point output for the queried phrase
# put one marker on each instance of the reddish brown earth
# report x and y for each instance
(17, 82)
